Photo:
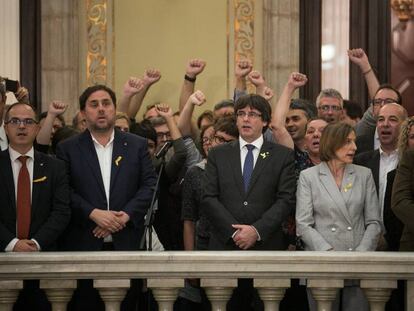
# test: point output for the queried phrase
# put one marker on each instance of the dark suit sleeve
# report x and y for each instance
(79, 206)
(59, 214)
(139, 203)
(218, 215)
(284, 203)
(402, 200)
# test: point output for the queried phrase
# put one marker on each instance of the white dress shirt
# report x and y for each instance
(388, 162)
(16, 165)
(258, 143)
(104, 154)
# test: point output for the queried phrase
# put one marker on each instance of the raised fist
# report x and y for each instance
(297, 80)
(151, 76)
(195, 67)
(197, 98)
(56, 108)
(243, 68)
(133, 86)
(256, 78)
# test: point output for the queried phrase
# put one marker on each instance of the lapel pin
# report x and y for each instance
(39, 179)
(125, 144)
(348, 187)
(41, 164)
(118, 159)
(264, 155)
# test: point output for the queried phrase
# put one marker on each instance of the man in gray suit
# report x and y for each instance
(249, 184)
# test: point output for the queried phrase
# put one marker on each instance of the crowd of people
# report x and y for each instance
(255, 173)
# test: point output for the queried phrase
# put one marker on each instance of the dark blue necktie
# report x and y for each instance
(248, 166)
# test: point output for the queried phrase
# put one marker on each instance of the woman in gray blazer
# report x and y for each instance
(337, 206)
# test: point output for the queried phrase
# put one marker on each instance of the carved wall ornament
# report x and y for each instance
(97, 27)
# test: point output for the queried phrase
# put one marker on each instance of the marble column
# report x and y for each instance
(60, 54)
(9, 291)
(280, 42)
(59, 292)
(218, 292)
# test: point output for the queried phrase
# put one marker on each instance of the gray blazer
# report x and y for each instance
(327, 218)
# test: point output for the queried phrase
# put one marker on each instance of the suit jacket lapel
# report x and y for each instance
(348, 182)
(118, 156)
(7, 175)
(90, 156)
(375, 168)
(262, 160)
(330, 186)
(235, 163)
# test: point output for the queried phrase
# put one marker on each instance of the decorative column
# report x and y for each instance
(378, 292)
(165, 291)
(59, 292)
(324, 292)
(112, 292)
(9, 290)
(271, 291)
(280, 42)
(218, 292)
(60, 54)
(409, 296)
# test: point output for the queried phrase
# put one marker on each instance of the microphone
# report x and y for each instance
(161, 153)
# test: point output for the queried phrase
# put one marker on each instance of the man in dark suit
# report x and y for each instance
(249, 190)
(385, 159)
(111, 176)
(34, 196)
(249, 216)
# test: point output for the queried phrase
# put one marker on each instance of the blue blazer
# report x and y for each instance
(131, 188)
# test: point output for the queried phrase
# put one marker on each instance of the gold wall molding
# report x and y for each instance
(245, 37)
(244, 32)
(97, 53)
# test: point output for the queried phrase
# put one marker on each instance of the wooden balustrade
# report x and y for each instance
(165, 273)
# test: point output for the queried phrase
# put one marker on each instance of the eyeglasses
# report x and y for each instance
(250, 114)
(206, 140)
(25, 122)
(330, 107)
(382, 101)
(163, 134)
(220, 140)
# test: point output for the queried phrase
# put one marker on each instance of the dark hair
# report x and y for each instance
(227, 124)
(353, 109)
(6, 116)
(62, 134)
(2, 88)
(333, 137)
(256, 102)
(313, 119)
(208, 114)
(202, 131)
(308, 108)
(144, 129)
(60, 117)
(390, 87)
(224, 103)
(92, 89)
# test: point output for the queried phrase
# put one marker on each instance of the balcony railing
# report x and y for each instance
(165, 273)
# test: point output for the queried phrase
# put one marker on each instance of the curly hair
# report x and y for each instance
(403, 138)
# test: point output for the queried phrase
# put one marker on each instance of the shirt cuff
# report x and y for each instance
(10, 246)
(257, 232)
(37, 244)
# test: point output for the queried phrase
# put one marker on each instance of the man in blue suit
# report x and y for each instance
(111, 177)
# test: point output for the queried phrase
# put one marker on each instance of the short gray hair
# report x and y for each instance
(332, 93)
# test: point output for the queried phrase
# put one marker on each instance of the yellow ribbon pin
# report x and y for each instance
(118, 159)
(40, 179)
(348, 187)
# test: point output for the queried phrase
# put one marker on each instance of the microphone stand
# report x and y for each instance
(149, 218)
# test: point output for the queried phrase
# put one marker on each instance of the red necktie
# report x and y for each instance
(23, 201)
